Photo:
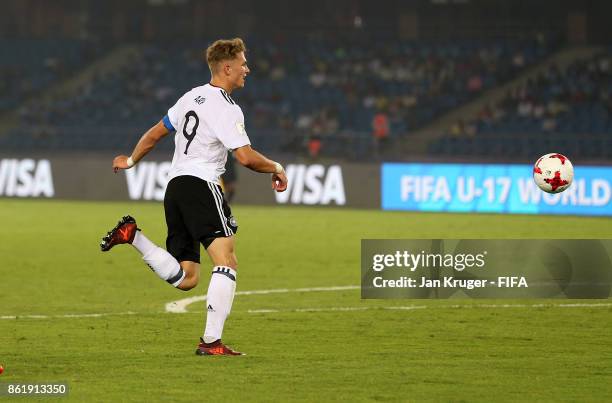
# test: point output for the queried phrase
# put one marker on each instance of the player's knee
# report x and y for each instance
(229, 260)
(226, 259)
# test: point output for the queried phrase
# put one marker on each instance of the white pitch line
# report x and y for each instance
(263, 311)
(580, 305)
(180, 306)
(340, 309)
(71, 315)
(415, 307)
(333, 309)
(405, 308)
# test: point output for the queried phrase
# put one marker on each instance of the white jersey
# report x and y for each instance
(208, 123)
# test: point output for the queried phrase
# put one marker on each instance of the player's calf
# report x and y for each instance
(192, 275)
(158, 259)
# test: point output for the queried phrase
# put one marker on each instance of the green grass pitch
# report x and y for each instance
(301, 346)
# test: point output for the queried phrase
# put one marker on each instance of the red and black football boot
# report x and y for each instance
(123, 232)
(215, 348)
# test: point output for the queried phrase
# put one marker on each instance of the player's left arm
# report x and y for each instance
(257, 162)
(232, 134)
(146, 143)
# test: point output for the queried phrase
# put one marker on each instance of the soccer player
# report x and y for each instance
(207, 123)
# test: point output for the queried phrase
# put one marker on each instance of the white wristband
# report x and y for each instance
(130, 162)
(278, 168)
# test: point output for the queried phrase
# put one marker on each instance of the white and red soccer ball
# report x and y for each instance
(553, 173)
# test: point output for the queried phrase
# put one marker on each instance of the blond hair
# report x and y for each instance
(223, 49)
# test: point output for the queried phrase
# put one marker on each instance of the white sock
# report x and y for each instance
(159, 260)
(219, 301)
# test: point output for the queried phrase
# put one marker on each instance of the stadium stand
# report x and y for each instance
(325, 92)
(567, 109)
(29, 66)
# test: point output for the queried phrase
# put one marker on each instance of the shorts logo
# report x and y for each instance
(232, 222)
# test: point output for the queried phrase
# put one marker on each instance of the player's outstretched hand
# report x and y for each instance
(120, 162)
(279, 182)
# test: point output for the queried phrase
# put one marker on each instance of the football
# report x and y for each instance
(553, 173)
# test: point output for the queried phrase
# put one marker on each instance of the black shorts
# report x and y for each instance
(196, 212)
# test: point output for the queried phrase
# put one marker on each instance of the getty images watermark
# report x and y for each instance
(491, 268)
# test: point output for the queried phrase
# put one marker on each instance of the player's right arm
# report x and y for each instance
(146, 143)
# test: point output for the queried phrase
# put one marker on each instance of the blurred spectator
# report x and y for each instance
(380, 130)
(314, 146)
(474, 83)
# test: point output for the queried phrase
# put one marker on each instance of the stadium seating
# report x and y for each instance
(28, 66)
(297, 89)
(567, 110)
